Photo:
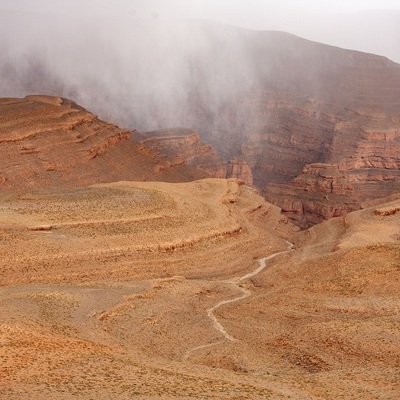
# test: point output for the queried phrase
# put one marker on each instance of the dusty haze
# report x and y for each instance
(364, 25)
(129, 55)
(200, 289)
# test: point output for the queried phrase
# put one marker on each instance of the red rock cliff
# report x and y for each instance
(273, 100)
(185, 146)
(52, 142)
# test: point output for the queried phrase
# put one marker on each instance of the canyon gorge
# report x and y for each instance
(212, 215)
(313, 127)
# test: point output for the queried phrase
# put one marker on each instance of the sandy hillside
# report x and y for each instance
(105, 289)
(153, 291)
(325, 317)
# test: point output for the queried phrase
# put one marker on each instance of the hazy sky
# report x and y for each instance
(68, 39)
(242, 12)
(345, 23)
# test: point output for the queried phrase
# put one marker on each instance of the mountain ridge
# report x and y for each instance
(53, 142)
(279, 103)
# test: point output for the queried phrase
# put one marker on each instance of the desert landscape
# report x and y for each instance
(198, 289)
(215, 214)
(114, 301)
(315, 128)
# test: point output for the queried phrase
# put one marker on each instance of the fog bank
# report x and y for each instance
(138, 64)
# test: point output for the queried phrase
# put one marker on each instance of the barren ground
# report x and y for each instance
(105, 292)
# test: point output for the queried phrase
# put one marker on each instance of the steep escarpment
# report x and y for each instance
(359, 162)
(317, 105)
(299, 147)
(317, 125)
(185, 146)
(52, 142)
(275, 101)
(320, 192)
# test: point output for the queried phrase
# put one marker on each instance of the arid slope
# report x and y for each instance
(112, 300)
(105, 288)
(325, 317)
(52, 142)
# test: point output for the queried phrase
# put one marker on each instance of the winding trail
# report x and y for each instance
(245, 293)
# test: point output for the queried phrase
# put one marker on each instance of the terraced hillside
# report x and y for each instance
(52, 142)
(154, 290)
(105, 287)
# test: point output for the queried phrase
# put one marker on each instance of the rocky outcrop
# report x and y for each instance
(361, 163)
(239, 169)
(52, 142)
(184, 146)
(324, 178)
(389, 210)
(320, 192)
(321, 106)
(299, 147)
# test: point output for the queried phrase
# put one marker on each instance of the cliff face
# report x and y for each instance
(317, 121)
(320, 192)
(358, 162)
(274, 101)
(236, 168)
(184, 146)
(52, 142)
(298, 148)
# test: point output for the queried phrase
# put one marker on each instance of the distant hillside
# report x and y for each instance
(316, 124)
(52, 142)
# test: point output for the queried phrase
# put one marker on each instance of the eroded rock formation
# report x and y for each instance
(358, 161)
(299, 148)
(273, 100)
(52, 142)
(184, 146)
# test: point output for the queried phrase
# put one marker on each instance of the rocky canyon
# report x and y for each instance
(212, 215)
(124, 290)
(315, 128)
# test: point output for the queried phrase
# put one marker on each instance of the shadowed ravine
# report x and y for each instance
(246, 293)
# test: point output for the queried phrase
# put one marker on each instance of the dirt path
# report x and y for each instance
(245, 293)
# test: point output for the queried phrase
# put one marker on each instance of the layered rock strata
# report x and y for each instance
(184, 146)
(52, 142)
(311, 104)
(360, 164)
(299, 148)
(273, 100)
